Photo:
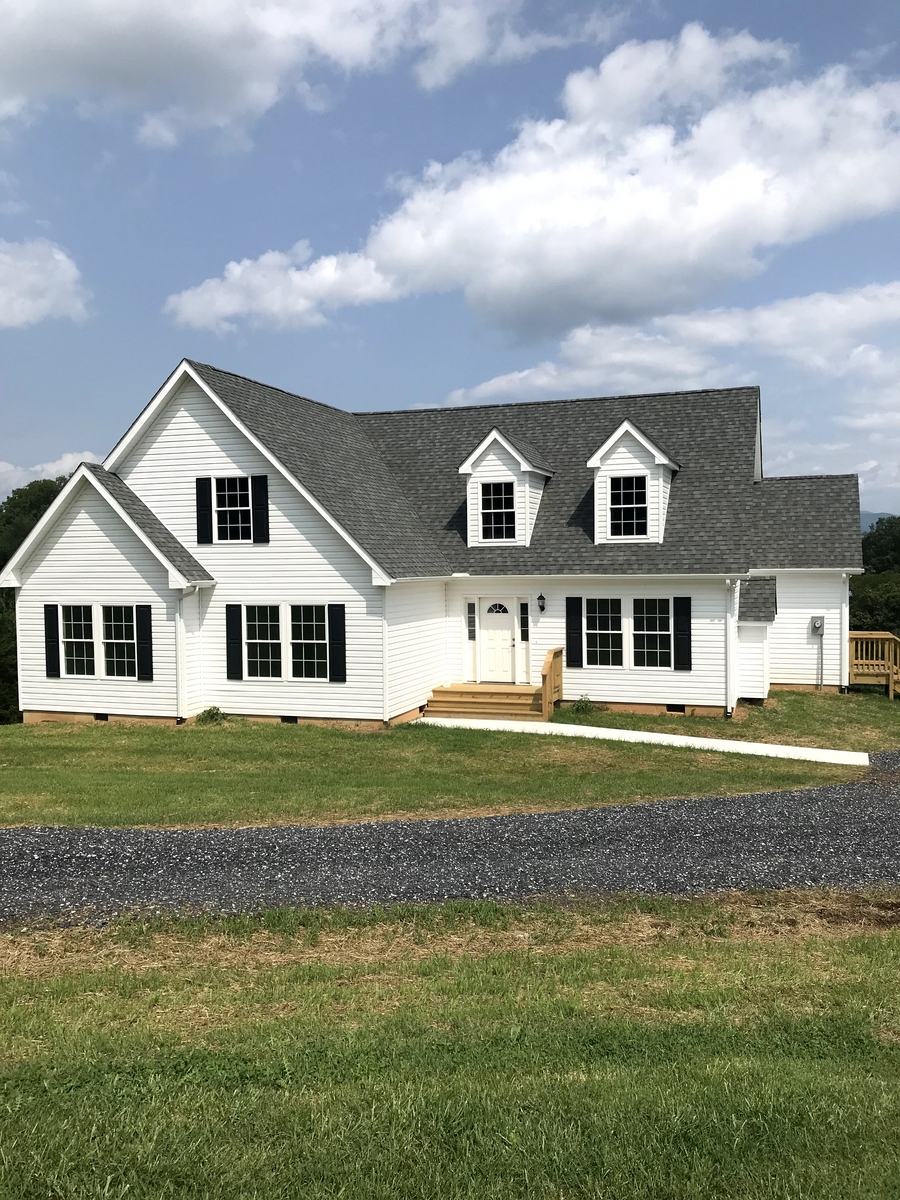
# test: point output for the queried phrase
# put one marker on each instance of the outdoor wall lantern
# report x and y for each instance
(542, 601)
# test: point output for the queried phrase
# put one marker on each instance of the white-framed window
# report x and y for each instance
(309, 641)
(603, 632)
(652, 633)
(498, 511)
(78, 639)
(628, 506)
(119, 642)
(263, 640)
(234, 519)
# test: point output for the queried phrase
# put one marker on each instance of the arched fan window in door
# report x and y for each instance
(498, 608)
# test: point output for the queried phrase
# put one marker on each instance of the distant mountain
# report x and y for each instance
(868, 519)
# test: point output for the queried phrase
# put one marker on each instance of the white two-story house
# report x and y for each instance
(275, 557)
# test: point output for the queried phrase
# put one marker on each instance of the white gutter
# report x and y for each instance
(848, 758)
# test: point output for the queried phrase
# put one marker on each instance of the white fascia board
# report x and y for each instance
(659, 456)
(185, 370)
(495, 435)
(82, 474)
(807, 570)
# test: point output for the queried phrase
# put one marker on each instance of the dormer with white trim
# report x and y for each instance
(632, 477)
(503, 494)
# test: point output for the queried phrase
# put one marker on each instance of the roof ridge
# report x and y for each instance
(386, 412)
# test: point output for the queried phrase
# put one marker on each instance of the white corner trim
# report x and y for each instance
(659, 456)
(850, 758)
(468, 467)
(185, 371)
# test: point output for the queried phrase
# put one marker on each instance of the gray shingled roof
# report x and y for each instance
(530, 453)
(149, 523)
(719, 519)
(391, 479)
(329, 451)
(758, 601)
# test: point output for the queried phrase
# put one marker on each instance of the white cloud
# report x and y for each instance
(14, 477)
(675, 167)
(829, 365)
(190, 64)
(38, 280)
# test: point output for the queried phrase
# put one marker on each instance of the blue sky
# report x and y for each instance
(431, 203)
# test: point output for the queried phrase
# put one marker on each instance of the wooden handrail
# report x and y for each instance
(551, 681)
(875, 658)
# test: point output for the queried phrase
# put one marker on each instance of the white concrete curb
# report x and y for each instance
(850, 758)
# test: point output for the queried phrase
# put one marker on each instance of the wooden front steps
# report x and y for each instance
(489, 701)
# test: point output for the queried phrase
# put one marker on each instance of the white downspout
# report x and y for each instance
(845, 632)
(180, 666)
(731, 644)
(386, 700)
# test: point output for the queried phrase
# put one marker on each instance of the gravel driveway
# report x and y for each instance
(842, 836)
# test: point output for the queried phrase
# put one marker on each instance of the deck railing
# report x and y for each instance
(875, 658)
(551, 680)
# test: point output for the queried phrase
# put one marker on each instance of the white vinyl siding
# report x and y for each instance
(416, 643)
(794, 651)
(304, 562)
(753, 660)
(703, 684)
(91, 557)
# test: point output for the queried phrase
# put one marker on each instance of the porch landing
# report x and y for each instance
(487, 701)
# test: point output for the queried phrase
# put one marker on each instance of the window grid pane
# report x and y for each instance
(78, 622)
(470, 621)
(628, 506)
(121, 659)
(309, 644)
(118, 623)
(652, 637)
(79, 658)
(524, 633)
(309, 660)
(264, 660)
(263, 623)
(498, 511)
(603, 624)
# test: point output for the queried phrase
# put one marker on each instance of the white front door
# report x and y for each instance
(497, 642)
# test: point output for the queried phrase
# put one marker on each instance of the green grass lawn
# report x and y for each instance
(746, 1048)
(243, 773)
(857, 721)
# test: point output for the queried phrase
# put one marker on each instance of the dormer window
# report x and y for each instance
(498, 512)
(628, 506)
(632, 480)
(503, 493)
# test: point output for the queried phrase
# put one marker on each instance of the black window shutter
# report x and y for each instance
(234, 641)
(51, 640)
(681, 613)
(144, 631)
(204, 512)
(337, 644)
(574, 640)
(259, 507)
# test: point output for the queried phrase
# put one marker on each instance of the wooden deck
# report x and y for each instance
(875, 658)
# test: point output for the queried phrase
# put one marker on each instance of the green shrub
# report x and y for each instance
(211, 716)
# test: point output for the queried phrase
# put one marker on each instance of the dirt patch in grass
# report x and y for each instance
(738, 917)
